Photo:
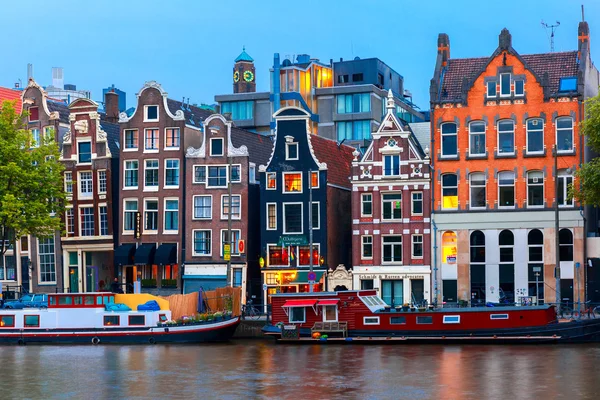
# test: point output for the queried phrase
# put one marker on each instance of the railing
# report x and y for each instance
(256, 312)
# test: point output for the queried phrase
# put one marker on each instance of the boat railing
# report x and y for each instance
(577, 310)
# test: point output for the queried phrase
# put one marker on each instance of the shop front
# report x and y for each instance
(87, 267)
(292, 281)
(396, 288)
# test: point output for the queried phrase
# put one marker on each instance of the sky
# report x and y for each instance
(189, 46)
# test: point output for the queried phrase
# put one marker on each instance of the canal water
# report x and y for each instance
(262, 370)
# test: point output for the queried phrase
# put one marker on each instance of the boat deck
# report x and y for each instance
(366, 339)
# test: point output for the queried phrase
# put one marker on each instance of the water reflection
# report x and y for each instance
(262, 370)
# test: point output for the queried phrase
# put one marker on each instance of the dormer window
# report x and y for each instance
(504, 84)
(216, 147)
(84, 150)
(568, 84)
(291, 151)
(491, 89)
(151, 113)
(34, 114)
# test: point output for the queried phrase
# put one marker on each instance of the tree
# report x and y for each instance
(32, 196)
(588, 190)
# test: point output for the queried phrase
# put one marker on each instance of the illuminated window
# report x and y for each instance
(110, 320)
(172, 138)
(271, 181)
(449, 139)
(449, 247)
(314, 179)
(151, 139)
(292, 182)
(449, 191)
(278, 255)
(304, 255)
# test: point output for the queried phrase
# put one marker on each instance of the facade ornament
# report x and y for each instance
(366, 171)
(390, 104)
(81, 127)
(355, 153)
(123, 117)
(54, 115)
(196, 153)
(66, 138)
(340, 277)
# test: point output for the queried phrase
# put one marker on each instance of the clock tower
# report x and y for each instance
(243, 74)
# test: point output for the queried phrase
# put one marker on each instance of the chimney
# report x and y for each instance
(444, 48)
(111, 106)
(29, 72)
(504, 40)
(583, 38)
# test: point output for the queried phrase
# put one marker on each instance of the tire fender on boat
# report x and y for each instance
(21, 342)
(152, 340)
(95, 340)
(167, 330)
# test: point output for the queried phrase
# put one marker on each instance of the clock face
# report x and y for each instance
(236, 76)
(248, 76)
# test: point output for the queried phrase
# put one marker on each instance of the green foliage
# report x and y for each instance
(588, 176)
(31, 188)
(169, 283)
(148, 282)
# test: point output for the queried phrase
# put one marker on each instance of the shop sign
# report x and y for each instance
(292, 240)
(386, 276)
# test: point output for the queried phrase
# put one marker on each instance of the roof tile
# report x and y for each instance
(10, 95)
(337, 157)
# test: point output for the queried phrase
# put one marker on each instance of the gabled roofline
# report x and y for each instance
(178, 116)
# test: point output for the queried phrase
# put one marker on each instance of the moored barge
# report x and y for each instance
(363, 317)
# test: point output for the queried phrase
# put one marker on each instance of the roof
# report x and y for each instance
(259, 147)
(244, 56)
(558, 65)
(61, 108)
(422, 132)
(113, 135)
(337, 157)
(10, 95)
(193, 115)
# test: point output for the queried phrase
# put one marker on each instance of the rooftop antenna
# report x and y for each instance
(582, 14)
(552, 28)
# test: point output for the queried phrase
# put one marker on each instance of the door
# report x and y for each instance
(566, 290)
(450, 290)
(392, 292)
(25, 273)
(128, 279)
(477, 285)
(73, 280)
(418, 290)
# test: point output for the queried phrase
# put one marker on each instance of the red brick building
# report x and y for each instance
(391, 246)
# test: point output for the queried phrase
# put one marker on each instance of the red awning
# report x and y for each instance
(300, 303)
(329, 302)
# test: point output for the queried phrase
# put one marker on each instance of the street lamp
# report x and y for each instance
(537, 291)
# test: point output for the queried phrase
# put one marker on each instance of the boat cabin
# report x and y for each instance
(80, 300)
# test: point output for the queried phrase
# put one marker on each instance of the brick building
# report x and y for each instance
(217, 156)
(495, 121)
(391, 244)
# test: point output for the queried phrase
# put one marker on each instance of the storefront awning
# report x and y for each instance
(124, 254)
(166, 254)
(300, 303)
(144, 255)
(302, 277)
(328, 302)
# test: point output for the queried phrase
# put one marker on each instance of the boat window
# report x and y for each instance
(137, 320)
(32, 321)
(89, 300)
(112, 299)
(77, 300)
(425, 320)
(499, 316)
(452, 319)
(109, 299)
(52, 300)
(110, 320)
(397, 320)
(371, 320)
(162, 317)
(7, 321)
(297, 314)
(65, 300)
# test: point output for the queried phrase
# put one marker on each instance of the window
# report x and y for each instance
(417, 246)
(84, 152)
(343, 79)
(449, 140)
(277, 256)
(519, 87)
(151, 173)
(47, 260)
(564, 134)
(535, 135)
(535, 242)
(297, 315)
(102, 181)
(235, 173)
(330, 314)
(131, 139)
(367, 247)
(292, 218)
(7, 321)
(103, 220)
(498, 316)
(292, 182)
(535, 267)
(314, 179)
(391, 165)
(565, 239)
(202, 207)
(86, 221)
(391, 206)
(535, 189)
(354, 130)
(151, 139)
(271, 216)
(451, 319)
(31, 321)
(68, 182)
(172, 138)
(217, 176)
(216, 147)
(235, 236)
(366, 284)
(171, 172)
(70, 220)
(477, 247)
(240, 110)
(131, 174)
(491, 89)
(449, 191)
(202, 243)
(506, 189)
(564, 181)
(417, 203)
(424, 319)
(291, 151)
(316, 214)
(397, 320)
(34, 114)
(506, 137)
(35, 138)
(354, 103)
(506, 241)
(24, 244)
(129, 220)
(151, 113)
(568, 84)
(112, 320)
(236, 209)
(171, 215)
(504, 84)
(392, 249)
(271, 181)
(366, 201)
(151, 215)
(477, 138)
(371, 320)
(252, 173)
(357, 77)
(199, 174)
(477, 186)
(86, 185)
(304, 254)
(137, 320)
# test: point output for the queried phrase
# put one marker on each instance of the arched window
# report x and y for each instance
(449, 247)
(535, 265)
(449, 141)
(506, 292)
(477, 188)
(565, 240)
(535, 135)
(535, 242)
(477, 268)
(477, 138)
(477, 247)
(535, 189)
(507, 242)
(506, 189)
(449, 191)
(506, 137)
(564, 134)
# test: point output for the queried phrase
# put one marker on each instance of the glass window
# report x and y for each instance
(111, 320)
(477, 186)
(568, 84)
(330, 313)
(271, 181)
(171, 172)
(477, 242)
(34, 114)
(564, 181)
(391, 165)
(137, 320)
(535, 189)
(47, 260)
(314, 179)
(216, 147)
(564, 134)
(519, 87)
(202, 243)
(449, 191)
(291, 151)
(491, 89)
(84, 151)
(297, 314)
(417, 203)
(151, 215)
(240, 110)
(391, 206)
(35, 138)
(87, 221)
(505, 84)
(172, 138)
(477, 138)
(424, 320)
(535, 242)
(68, 182)
(506, 137)
(131, 208)
(217, 176)
(449, 140)
(354, 103)
(316, 213)
(507, 242)
(354, 130)
(417, 246)
(131, 139)
(151, 173)
(565, 238)
(236, 209)
(86, 185)
(7, 321)
(102, 181)
(131, 173)
(171, 215)
(292, 218)
(103, 220)
(535, 135)
(367, 247)
(151, 139)
(70, 220)
(506, 189)
(271, 216)
(235, 236)
(151, 113)
(366, 201)
(202, 207)
(392, 249)
(31, 321)
(292, 182)
(397, 320)
(199, 174)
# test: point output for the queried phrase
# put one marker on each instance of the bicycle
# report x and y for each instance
(591, 311)
(566, 312)
(251, 312)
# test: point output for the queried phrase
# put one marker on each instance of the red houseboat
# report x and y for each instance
(362, 316)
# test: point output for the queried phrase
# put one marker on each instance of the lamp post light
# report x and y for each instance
(537, 287)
